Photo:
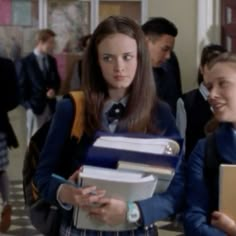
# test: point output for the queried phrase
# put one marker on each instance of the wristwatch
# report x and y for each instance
(133, 213)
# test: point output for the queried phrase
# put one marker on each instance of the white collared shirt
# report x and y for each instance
(39, 57)
(203, 90)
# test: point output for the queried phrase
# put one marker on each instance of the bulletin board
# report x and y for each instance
(70, 20)
(18, 24)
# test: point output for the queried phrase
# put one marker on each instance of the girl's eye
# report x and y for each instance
(223, 83)
(127, 57)
(209, 87)
(165, 49)
(107, 58)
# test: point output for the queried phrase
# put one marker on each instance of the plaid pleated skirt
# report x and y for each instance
(4, 161)
(70, 230)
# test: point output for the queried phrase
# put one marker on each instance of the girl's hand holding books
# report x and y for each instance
(111, 211)
(71, 194)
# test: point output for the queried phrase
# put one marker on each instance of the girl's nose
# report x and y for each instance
(119, 65)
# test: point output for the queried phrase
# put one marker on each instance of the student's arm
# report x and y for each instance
(196, 217)
(168, 203)
(58, 133)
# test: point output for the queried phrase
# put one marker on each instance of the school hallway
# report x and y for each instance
(20, 221)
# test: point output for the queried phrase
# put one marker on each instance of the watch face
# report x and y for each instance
(133, 214)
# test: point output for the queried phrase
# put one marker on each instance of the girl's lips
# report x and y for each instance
(119, 77)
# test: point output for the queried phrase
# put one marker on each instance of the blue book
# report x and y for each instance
(108, 150)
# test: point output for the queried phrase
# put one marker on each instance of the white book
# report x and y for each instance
(145, 145)
(123, 185)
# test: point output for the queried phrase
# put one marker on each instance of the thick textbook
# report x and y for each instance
(108, 150)
(163, 174)
(124, 185)
(227, 190)
(151, 169)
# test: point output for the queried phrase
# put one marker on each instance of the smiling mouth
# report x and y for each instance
(217, 107)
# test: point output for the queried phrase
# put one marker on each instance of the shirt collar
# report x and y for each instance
(110, 103)
(203, 90)
(38, 53)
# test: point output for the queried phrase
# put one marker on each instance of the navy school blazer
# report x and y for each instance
(33, 85)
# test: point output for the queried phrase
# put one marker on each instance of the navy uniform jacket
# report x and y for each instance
(167, 85)
(34, 86)
(60, 131)
(198, 212)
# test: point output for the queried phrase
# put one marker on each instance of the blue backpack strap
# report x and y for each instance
(212, 158)
(212, 162)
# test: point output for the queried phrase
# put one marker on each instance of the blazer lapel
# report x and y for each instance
(35, 65)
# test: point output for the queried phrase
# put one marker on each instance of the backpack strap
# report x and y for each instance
(212, 158)
(78, 100)
(212, 162)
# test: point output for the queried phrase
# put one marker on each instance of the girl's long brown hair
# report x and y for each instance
(142, 93)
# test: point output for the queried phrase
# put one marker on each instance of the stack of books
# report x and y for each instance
(128, 168)
(118, 184)
(152, 155)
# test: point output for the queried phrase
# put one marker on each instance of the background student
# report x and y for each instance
(193, 110)
(9, 99)
(39, 82)
(203, 178)
(160, 34)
